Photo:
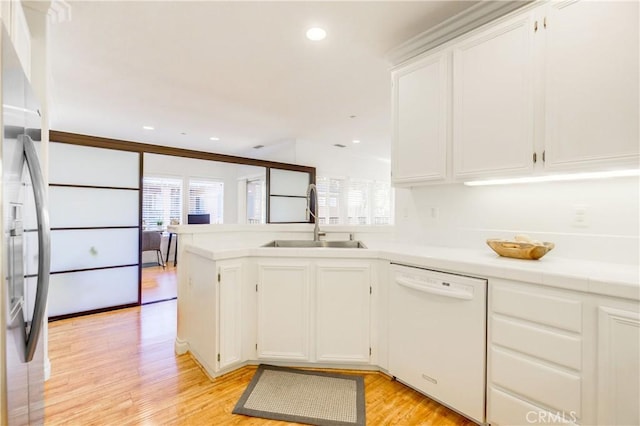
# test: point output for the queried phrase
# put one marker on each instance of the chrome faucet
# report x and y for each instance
(316, 228)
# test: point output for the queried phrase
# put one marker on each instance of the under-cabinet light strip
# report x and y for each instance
(556, 178)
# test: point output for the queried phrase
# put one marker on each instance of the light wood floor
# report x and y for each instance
(119, 368)
(159, 283)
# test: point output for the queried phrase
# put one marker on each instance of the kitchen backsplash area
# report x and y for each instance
(594, 220)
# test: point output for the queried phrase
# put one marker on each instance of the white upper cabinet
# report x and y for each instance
(421, 94)
(493, 126)
(591, 97)
(552, 87)
(15, 21)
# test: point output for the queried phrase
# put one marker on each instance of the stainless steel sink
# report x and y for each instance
(311, 244)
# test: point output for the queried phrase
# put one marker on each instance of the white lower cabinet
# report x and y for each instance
(535, 346)
(561, 357)
(315, 311)
(211, 311)
(284, 310)
(230, 315)
(618, 364)
(342, 312)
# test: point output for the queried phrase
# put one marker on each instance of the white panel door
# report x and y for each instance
(618, 366)
(283, 310)
(230, 314)
(85, 165)
(421, 96)
(342, 312)
(592, 85)
(493, 102)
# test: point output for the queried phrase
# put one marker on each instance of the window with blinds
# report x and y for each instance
(161, 201)
(256, 201)
(206, 196)
(382, 208)
(329, 199)
(358, 202)
(354, 201)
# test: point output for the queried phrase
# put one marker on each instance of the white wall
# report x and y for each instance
(185, 168)
(328, 160)
(342, 162)
(467, 216)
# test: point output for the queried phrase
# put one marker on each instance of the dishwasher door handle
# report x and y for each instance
(417, 285)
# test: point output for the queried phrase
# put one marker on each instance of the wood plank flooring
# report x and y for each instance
(159, 283)
(119, 368)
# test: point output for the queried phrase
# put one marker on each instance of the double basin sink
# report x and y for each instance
(315, 244)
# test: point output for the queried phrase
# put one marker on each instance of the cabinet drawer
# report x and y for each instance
(552, 387)
(505, 409)
(556, 311)
(546, 344)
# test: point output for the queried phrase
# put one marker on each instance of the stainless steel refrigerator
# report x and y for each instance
(26, 247)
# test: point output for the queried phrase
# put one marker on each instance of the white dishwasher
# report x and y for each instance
(437, 336)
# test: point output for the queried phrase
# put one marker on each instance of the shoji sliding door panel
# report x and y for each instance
(94, 198)
(115, 168)
(76, 207)
(93, 248)
(92, 290)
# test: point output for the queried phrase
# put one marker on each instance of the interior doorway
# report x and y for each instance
(158, 283)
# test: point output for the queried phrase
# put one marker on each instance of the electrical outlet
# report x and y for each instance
(434, 212)
(580, 216)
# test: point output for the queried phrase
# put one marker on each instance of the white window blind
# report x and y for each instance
(329, 199)
(207, 197)
(358, 202)
(382, 203)
(354, 201)
(256, 201)
(161, 201)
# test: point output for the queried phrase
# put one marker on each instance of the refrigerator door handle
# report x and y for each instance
(44, 244)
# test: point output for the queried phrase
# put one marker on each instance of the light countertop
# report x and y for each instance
(618, 280)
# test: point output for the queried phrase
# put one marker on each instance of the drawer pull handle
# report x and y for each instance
(449, 292)
(430, 379)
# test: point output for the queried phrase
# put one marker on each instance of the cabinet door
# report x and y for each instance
(230, 314)
(493, 125)
(618, 366)
(420, 120)
(283, 311)
(342, 312)
(592, 84)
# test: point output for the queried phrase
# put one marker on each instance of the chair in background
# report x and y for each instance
(151, 240)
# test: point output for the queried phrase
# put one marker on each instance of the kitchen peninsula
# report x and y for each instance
(560, 332)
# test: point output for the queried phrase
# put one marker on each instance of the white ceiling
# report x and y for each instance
(241, 71)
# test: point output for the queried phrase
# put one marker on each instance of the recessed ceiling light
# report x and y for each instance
(356, 141)
(316, 34)
(213, 138)
(148, 127)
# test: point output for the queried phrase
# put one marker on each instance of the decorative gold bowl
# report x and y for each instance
(520, 249)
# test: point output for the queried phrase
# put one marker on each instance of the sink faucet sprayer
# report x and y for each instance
(316, 228)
